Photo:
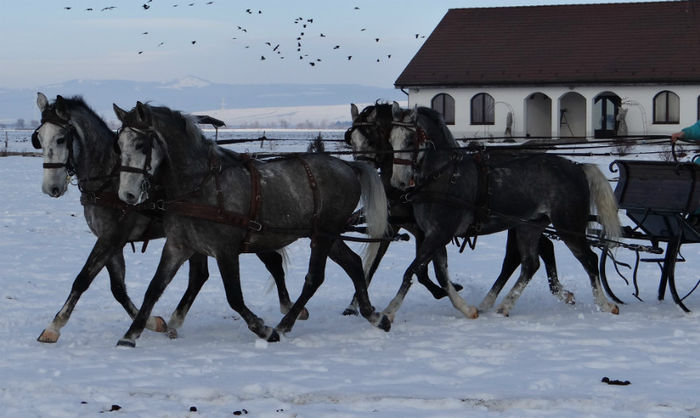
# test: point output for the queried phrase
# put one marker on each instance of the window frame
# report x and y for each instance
(445, 100)
(485, 111)
(666, 95)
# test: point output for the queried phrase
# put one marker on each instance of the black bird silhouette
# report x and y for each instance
(145, 33)
(357, 8)
(140, 52)
(313, 64)
(336, 47)
(108, 8)
(349, 57)
(89, 9)
(248, 11)
(194, 42)
(376, 39)
(323, 36)
(67, 7)
(262, 58)
(146, 7)
(161, 44)
(210, 2)
(275, 48)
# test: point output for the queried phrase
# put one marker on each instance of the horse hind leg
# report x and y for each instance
(351, 263)
(511, 261)
(353, 307)
(550, 265)
(274, 262)
(230, 275)
(528, 248)
(589, 261)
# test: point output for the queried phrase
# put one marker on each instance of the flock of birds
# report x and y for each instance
(274, 49)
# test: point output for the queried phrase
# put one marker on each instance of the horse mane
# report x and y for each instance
(77, 102)
(436, 127)
(168, 118)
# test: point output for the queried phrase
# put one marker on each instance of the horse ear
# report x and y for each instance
(61, 108)
(354, 112)
(414, 113)
(142, 113)
(121, 113)
(396, 112)
(41, 101)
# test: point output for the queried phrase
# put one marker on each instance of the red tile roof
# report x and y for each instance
(654, 42)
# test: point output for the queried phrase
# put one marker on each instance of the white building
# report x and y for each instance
(562, 71)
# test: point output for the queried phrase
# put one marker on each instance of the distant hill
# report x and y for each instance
(190, 94)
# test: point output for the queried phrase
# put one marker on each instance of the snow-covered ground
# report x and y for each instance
(546, 359)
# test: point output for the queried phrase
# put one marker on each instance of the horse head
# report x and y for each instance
(141, 152)
(54, 137)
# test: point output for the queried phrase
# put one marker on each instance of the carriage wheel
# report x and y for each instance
(604, 277)
(668, 273)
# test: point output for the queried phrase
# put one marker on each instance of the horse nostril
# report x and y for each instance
(55, 192)
(130, 198)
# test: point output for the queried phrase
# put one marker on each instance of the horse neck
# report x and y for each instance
(95, 157)
(187, 161)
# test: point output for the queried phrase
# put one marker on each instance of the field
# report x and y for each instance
(546, 359)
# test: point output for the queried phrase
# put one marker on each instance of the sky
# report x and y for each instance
(50, 41)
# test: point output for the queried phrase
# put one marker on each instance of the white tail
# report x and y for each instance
(603, 198)
(374, 201)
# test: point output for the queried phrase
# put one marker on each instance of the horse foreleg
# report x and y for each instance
(98, 257)
(351, 263)
(115, 267)
(442, 273)
(230, 274)
(528, 248)
(199, 274)
(170, 261)
(550, 265)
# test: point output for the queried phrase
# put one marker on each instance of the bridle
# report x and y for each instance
(419, 139)
(150, 137)
(364, 128)
(70, 133)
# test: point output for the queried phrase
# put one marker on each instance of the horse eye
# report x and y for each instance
(61, 140)
(138, 146)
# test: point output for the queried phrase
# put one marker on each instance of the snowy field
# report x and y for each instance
(546, 359)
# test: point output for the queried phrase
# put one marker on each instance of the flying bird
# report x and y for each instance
(262, 58)
(146, 7)
(349, 57)
(336, 47)
(194, 42)
(313, 64)
(376, 39)
(67, 7)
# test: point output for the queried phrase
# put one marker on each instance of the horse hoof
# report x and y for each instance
(350, 311)
(615, 310)
(568, 298)
(303, 315)
(473, 313)
(171, 333)
(274, 337)
(384, 323)
(503, 312)
(48, 336)
(124, 342)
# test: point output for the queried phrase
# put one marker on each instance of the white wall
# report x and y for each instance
(637, 98)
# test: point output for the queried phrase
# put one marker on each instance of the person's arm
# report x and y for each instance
(692, 132)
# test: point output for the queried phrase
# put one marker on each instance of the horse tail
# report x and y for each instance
(603, 198)
(375, 206)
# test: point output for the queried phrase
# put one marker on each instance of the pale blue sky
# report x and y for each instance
(43, 43)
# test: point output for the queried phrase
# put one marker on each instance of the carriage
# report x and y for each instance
(659, 197)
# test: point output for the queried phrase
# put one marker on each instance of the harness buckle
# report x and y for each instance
(254, 226)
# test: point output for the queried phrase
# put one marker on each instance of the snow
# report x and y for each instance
(546, 359)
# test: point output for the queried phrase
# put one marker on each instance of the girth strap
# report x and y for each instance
(316, 195)
(255, 196)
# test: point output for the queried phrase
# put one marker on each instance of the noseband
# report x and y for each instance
(70, 133)
(419, 138)
(361, 127)
(150, 136)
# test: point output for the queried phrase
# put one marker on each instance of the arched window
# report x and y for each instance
(445, 105)
(482, 109)
(667, 107)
